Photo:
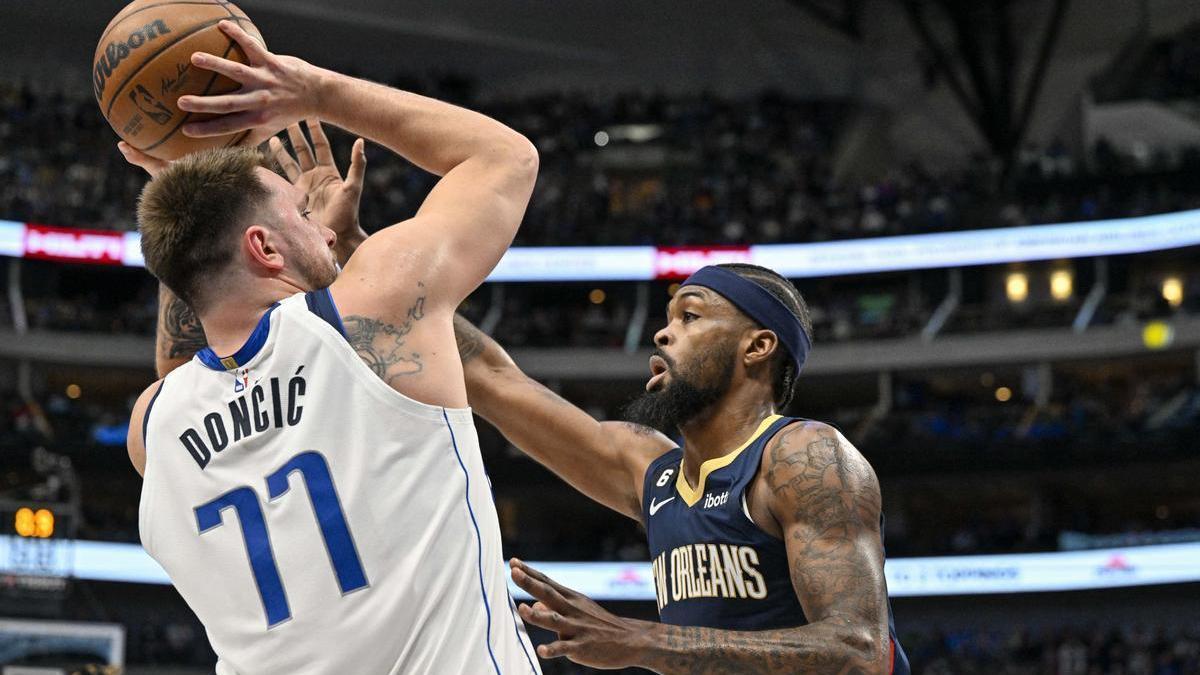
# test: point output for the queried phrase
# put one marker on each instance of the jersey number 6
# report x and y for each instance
(330, 517)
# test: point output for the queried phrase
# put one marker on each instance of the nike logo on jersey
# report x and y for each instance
(655, 506)
(716, 500)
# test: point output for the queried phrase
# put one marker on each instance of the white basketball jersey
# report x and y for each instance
(317, 521)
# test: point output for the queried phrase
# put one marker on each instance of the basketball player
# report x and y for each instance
(313, 483)
(765, 531)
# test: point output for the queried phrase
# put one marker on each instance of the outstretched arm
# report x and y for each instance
(826, 498)
(604, 460)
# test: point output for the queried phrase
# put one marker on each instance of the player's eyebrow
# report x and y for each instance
(686, 293)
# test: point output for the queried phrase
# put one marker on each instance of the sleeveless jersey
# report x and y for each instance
(712, 565)
(316, 520)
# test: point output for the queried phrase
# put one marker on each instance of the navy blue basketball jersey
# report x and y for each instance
(713, 566)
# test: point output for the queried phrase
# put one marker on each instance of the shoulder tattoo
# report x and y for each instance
(381, 345)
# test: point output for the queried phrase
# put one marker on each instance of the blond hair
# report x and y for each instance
(189, 212)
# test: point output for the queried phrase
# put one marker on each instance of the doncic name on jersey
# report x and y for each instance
(247, 415)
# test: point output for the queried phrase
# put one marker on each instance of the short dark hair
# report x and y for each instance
(783, 367)
(187, 213)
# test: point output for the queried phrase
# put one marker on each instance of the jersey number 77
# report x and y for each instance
(343, 555)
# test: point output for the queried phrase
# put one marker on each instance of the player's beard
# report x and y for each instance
(318, 271)
(689, 392)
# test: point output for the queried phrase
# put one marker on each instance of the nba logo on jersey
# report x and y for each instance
(241, 380)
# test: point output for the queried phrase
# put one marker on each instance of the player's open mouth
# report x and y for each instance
(658, 371)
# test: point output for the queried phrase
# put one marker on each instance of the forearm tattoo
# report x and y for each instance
(469, 338)
(381, 345)
(686, 650)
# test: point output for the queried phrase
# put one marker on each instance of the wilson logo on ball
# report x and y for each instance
(117, 51)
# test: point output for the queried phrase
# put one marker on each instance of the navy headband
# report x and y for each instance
(759, 304)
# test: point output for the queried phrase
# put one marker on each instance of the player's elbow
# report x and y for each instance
(524, 160)
(867, 649)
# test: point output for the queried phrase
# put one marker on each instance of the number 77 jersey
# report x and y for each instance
(317, 521)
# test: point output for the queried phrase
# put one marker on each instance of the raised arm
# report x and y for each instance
(467, 221)
(604, 460)
(826, 499)
(398, 292)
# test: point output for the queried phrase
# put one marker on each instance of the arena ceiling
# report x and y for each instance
(729, 46)
(590, 44)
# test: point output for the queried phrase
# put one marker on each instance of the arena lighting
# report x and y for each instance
(1016, 287)
(34, 524)
(1158, 335)
(1062, 285)
(597, 296)
(1172, 291)
(797, 261)
(1003, 394)
(906, 577)
(601, 139)
(74, 391)
(23, 522)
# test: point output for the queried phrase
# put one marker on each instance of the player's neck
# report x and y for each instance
(720, 430)
(229, 321)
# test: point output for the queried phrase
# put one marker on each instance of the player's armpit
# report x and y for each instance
(606, 461)
(179, 334)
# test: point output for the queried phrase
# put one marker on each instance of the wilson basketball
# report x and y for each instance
(143, 65)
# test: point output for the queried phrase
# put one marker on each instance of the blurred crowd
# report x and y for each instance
(1160, 650)
(637, 168)
(1109, 649)
(925, 450)
(568, 315)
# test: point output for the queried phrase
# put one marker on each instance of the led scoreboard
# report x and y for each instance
(37, 556)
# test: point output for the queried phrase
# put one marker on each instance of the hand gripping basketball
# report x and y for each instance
(276, 91)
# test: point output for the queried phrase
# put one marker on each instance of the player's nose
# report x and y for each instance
(663, 337)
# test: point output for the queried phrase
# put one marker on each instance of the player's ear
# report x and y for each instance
(760, 346)
(261, 247)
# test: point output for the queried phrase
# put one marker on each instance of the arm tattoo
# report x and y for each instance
(469, 338)
(827, 498)
(381, 345)
(830, 497)
(182, 333)
(685, 650)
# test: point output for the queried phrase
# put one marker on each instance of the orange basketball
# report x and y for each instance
(143, 65)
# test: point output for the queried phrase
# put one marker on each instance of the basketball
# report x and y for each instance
(143, 65)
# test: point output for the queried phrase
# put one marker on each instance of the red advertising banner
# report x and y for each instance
(679, 262)
(70, 244)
